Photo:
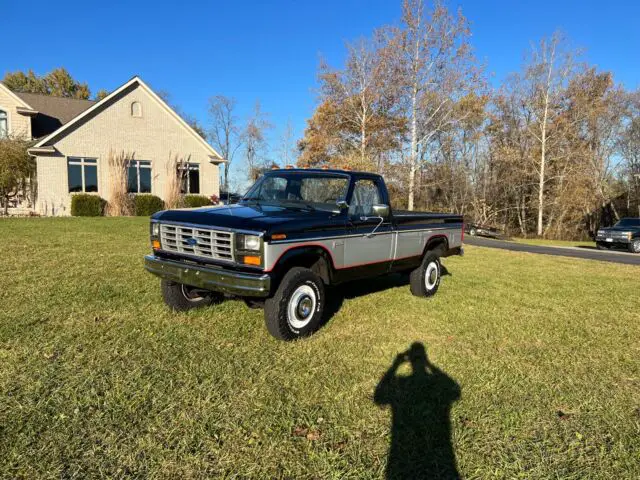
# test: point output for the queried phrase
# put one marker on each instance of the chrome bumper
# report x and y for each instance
(217, 280)
(614, 240)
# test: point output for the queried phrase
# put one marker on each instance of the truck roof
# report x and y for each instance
(324, 170)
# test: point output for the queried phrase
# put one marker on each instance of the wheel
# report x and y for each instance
(425, 280)
(601, 247)
(183, 297)
(473, 232)
(296, 309)
(634, 246)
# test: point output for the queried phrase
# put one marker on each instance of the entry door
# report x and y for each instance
(368, 246)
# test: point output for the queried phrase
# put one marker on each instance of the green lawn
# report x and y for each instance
(98, 378)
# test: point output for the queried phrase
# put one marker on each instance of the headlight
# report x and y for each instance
(601, 233)
(155, 229)
(249, 242)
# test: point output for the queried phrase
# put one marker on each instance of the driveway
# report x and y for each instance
(576, 252)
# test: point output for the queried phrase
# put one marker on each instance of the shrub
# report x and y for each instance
(86, 205)
(147, 205)
(194, 201)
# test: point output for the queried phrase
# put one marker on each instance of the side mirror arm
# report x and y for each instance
(370, 234)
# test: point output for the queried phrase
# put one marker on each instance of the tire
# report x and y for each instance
(296, 309)
(425, 280)
(601, 247)
(634, 246)
(473, 232)
(181, 298)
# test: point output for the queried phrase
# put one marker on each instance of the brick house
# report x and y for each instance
(73, 139)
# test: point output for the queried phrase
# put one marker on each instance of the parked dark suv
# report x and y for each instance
(624, 234)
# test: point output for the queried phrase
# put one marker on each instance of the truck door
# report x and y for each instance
(369, 242)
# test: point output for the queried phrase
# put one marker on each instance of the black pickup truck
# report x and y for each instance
(624, 234)
(295, 232)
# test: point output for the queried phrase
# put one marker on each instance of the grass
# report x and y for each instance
(556, 243)
(98, 378)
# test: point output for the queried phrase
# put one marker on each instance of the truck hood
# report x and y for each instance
(253, 217)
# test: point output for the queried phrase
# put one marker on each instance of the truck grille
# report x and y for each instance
(200, 242)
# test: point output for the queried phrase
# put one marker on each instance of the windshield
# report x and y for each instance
(302, 190)
(629, 222)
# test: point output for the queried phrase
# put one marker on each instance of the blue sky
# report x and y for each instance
(270, 50)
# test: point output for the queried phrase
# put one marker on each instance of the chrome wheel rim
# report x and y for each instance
(302, 304)
(431, 275)
(190, 294)
(636, 246)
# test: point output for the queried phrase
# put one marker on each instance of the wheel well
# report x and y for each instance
(315, 259)
(438, 244)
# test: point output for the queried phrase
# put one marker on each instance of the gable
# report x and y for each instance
(113, 120)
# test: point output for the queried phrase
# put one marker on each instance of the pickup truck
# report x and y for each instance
(624, 234)
(295, 233)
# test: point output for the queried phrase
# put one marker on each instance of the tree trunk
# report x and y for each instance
(363, 142)
(413, 158)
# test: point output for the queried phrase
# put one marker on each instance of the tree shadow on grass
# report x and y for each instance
(421, 403)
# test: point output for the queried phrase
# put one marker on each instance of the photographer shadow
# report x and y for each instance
(421, 404)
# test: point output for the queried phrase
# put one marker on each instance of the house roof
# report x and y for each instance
(53, 112)
(96, 106)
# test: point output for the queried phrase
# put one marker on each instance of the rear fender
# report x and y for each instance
(439, 244)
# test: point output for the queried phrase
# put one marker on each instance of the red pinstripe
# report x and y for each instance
(311, 244)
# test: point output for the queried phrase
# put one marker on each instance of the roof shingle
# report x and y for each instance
(53, 112)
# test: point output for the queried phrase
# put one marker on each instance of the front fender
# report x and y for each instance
(314, 257)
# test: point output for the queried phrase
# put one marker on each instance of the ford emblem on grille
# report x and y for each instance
(191, 241)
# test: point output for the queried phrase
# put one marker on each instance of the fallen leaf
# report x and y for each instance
(313, 435)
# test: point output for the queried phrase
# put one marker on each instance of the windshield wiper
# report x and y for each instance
(299, 205)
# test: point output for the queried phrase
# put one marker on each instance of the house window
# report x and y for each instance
(136, 109)
(139, 176)
(4, 124)
(189, 174)
(83, 174)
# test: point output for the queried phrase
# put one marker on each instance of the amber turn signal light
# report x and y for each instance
(251, 260)
(156, 244)
(278, 236)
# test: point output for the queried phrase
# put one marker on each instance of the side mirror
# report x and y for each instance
(381, 210)
(342, 205)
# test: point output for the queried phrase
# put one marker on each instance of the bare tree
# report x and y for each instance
(436, 68)
(224, 132)
(286, 149)
(546, 77)
(255, 141)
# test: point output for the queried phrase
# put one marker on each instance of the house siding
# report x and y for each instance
(19, 125)
(156, 136)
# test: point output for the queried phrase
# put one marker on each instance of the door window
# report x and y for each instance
(366, 194)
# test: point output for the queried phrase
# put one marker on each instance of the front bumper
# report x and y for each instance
(614, 240)
(215, 279)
